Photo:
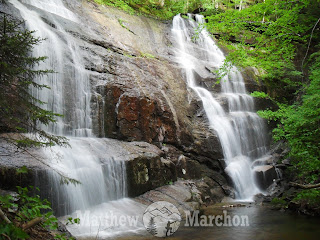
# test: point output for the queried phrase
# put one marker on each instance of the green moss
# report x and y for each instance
(128, 55)
(147, 55)
(121, 22)
(279, 201)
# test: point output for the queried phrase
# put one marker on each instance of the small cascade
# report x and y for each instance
(240, 130)
(102, 178)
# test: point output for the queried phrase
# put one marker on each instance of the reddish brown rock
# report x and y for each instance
(137, 118)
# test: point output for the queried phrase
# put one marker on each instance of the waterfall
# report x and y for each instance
(87, 160)
(240, 130)
(69, 92)
(102, 178)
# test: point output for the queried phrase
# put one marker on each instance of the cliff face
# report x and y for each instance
(139, 91)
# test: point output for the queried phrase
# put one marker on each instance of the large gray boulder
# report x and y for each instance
(265, 175)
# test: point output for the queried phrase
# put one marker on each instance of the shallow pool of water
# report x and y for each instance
(264, 224)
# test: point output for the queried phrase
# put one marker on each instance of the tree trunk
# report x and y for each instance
(308, 186)
(4, 217)
(32, 223)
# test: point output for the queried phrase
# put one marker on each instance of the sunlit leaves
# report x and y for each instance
(268, 36)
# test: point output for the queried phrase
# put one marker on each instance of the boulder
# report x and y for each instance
(130, 116)
(186, 195)
(265, 175)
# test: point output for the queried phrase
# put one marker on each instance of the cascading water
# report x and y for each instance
(70, 91)
(240, 130)
(102, 178)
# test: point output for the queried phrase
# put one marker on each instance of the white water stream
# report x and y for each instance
(240, 131)
(103, 188)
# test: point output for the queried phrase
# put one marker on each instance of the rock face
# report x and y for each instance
(147, 168)
(139, 91)
(265, 175)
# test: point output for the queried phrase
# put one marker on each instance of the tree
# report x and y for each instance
(269, 35)
(20, 111)
(152, 228)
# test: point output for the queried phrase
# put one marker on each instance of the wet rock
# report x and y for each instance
(265, 175)
(147, 168)
(227, 200)
(139, 93)
(261, 198)
(144, 174)
(211, 191)
(132, 117)
(287, 162)
(234, 205)
(206, 145)
(281, 166)
(186, 195)
(276, 189)
(13, 159)
(253, 83)
(268, 160)
(251, 78)
(209, 81)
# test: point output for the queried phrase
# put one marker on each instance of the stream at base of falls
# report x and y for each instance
(264, 224)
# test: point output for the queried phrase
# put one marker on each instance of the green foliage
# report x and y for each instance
(73, 221)
(267, 35)
(279, 202)
(298, 124)
(160, 9)
(19, 110)
(22, 170)
(123, 5)
(309, 196)
(128, 55)
(29, 206)
(121, 22)
(7, 202)
(273, 36)
(197, 32)
(260, 95)
(12, 231)
(63, 237)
